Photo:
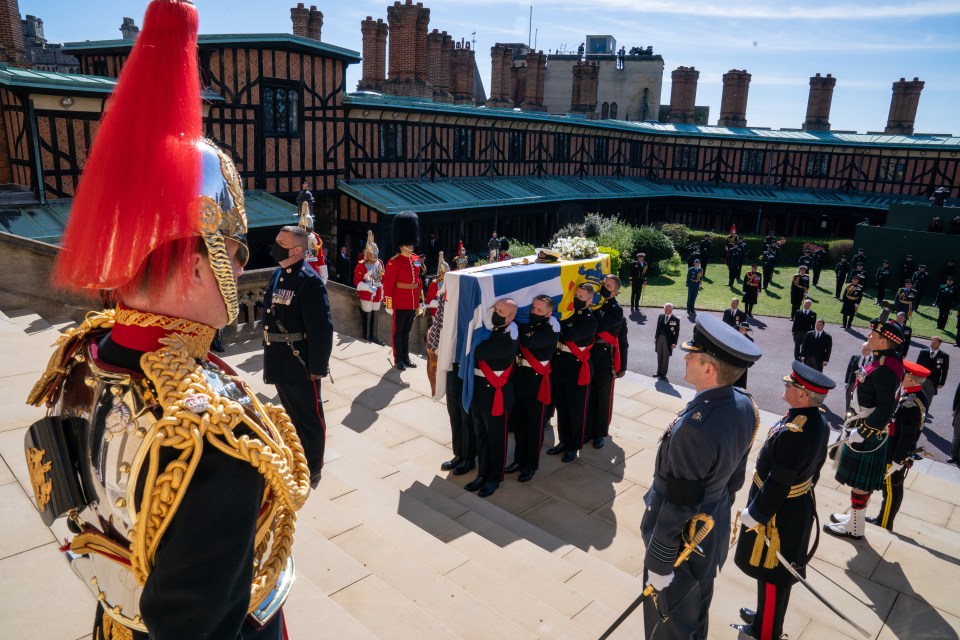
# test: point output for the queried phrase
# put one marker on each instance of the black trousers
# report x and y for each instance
(772, 601)
(686, 602)
(402, 323)
(462, 436)
(302, 401)
(840, 288)
(881, 292)
(847, 320)
(636, 292)
(570, 400)
(796, 299)
(600, 410)
(733, 273)
(944, 313)
(527, 419)
(797, 341)
(892, 498)
(816, 277)
(491, 432)
(767, 277)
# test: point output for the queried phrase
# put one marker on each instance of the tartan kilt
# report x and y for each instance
(863, 465)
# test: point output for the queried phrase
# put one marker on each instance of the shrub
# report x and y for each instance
(620, 236)
(673, 267)
(679, 234)
(839, 247)
(615, 262)
(520, 249)
(571, 230)
(655, 244)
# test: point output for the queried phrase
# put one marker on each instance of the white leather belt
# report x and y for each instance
(480, 373)
(523, 362)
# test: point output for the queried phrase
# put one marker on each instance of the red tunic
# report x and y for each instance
(401, 282)
(358, 273)
(431, 296)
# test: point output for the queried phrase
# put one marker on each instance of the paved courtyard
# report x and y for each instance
(390, 547)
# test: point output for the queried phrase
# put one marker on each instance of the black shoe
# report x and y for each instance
(409, 364)
(748, 615)
(217, 348)
(449, 465)
(488, 489)
(513, 467)
(841, 534)
(745, 629)
(598, 443)
(951, 460)
(556, 449)
(401, 366)
(871, 520)
(465, 466)
(526, 475)
(375, 340)
(475, 484)
(917, 456)
(569, 456)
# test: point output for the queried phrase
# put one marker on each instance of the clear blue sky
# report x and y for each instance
(865, 44)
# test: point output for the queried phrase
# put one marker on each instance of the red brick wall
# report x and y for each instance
(903, 106)
(733, 101)
(818, 104)
(11, 35)
(683, 94)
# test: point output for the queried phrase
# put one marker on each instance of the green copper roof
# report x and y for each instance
(946, 142)
(279, 40)
(41, 81)
(46, 222)
(393, 196)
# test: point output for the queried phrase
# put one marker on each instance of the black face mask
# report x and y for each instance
(606, 293)
(579, 304)
(498, 320)
(537, 320)
(279, 253)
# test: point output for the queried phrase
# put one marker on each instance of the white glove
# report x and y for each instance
(747, 520)
(658, 581)
(390, 311)
(894, 467)
(855, 437)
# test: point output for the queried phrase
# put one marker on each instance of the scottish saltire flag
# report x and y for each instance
(471, 294)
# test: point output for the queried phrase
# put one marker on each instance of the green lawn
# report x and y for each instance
(715, 296)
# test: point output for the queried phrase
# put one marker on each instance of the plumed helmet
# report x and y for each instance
(406, 229)
(306, 221)
(371, 251)
(442, 267)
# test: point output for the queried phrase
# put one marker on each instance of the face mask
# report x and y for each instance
(606, 293)
(579, 304)
(279, 253)
(537, 320)
(497, 320)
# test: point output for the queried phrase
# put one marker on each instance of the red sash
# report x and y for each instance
(614, 342)
(543, 395)
(583, 355)
(497, 381)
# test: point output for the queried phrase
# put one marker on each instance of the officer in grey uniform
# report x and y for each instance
(700, 465)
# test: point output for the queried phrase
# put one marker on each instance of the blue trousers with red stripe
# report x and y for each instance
(772, 601)
(305, 408)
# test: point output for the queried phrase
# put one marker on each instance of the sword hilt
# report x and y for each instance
(700, 525)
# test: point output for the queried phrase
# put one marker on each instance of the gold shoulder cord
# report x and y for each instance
(275, 452)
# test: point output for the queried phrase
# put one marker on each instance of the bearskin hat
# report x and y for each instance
(406, 229)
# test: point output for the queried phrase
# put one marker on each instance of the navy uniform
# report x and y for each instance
(907, 299)
(883, 277)
(752, 283)
(806, 260)
(700, 465)
(769, 260)
(297, 342)
(842, 270)
(905, 430)
(920, 277)
(493, 398)
(862, 460)
(538, 343)
(803, 322)
(694, 278)
(463, 438)
(818, 257)
(946, 299)
(781, 506)
(735, 256)
(705, 245)
(638, 277)
(570, 374)
(799, 286)
(852, 296)
(605, 361)
(859, 258)
(907, 269)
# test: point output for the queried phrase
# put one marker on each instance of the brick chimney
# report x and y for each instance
(439, 44)
(818, 104)
(501, 62)
(408, 50)
(536, 71)
(314, 23)
(903, 106)
(733, 103)
(683, 94)
(129, 29)
(461, 73)
(300, 16)
(12, 48)
(584, 97)
(374, 54)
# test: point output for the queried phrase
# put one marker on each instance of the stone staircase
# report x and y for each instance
(390, 547)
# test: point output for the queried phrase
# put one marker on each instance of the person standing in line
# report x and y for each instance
(538, 343)
(901, 321)
(781, 506)
(304, 202)
(638, 278)
(799, 286)
(816, 347)
(402, 288)
(570, 374)
(806, 260)
(744, 329)
(938, 364)
(344, 267)
(752, 283)
(368, 280)
(700, 465)
(734, 316)
(859, 258)
(461, 261)
(705, 245)
(769, 261)
(905, 430)
(463, 438)
(818, 257)
(907, 268)
(920, 278)
(852, 295)
(694, 282)
(734, 263)
(842, 270)
(805, 320)
(493, 246)
(906, 300)
(493, 396)
(882, 278)
(947, 296)
(605, 362)
(298, 341)
(665, 339)
(856, 363)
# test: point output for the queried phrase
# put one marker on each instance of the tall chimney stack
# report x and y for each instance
(584, 97)
(461, 73)
(536, 72)
(501, 61)
(439, 44)
(13, 50)
(733, 103)
(683, 95)
(129, 29)
(903, 106)
(300, 16)
(314, 24)
(374, 54)
(408, 50)
(818, 104)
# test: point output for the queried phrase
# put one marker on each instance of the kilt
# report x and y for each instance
(863, 465)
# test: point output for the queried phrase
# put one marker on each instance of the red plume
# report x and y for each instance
(139, 187)
(733, 230)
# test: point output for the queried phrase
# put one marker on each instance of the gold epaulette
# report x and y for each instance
(797, 425)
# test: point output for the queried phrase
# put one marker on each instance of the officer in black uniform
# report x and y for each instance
(493, 396)
(705, 245)
(463, 439)
(700, 465)
(606, 361)
(947, 296)
(781, 506)
(799, 285)
(908, 268)
(906, 299)
(734, 262)
(920, 278)
(852, 296)
(538, 343)
(769, 260)
(883, 277)
(297, 341)
(570, 374)
(638, 277)
(859, 258)
(818, 257)
(842, 269)
(905, 430)
(806, 260)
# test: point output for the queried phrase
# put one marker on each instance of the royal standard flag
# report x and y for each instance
(471, 294)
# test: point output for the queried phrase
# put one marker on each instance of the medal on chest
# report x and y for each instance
(282, 296)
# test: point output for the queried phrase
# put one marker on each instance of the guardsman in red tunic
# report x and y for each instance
(435, 288)
(368, 279)
(402, 289)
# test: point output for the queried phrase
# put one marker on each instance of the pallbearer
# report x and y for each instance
(605, 362)
(781, 505)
